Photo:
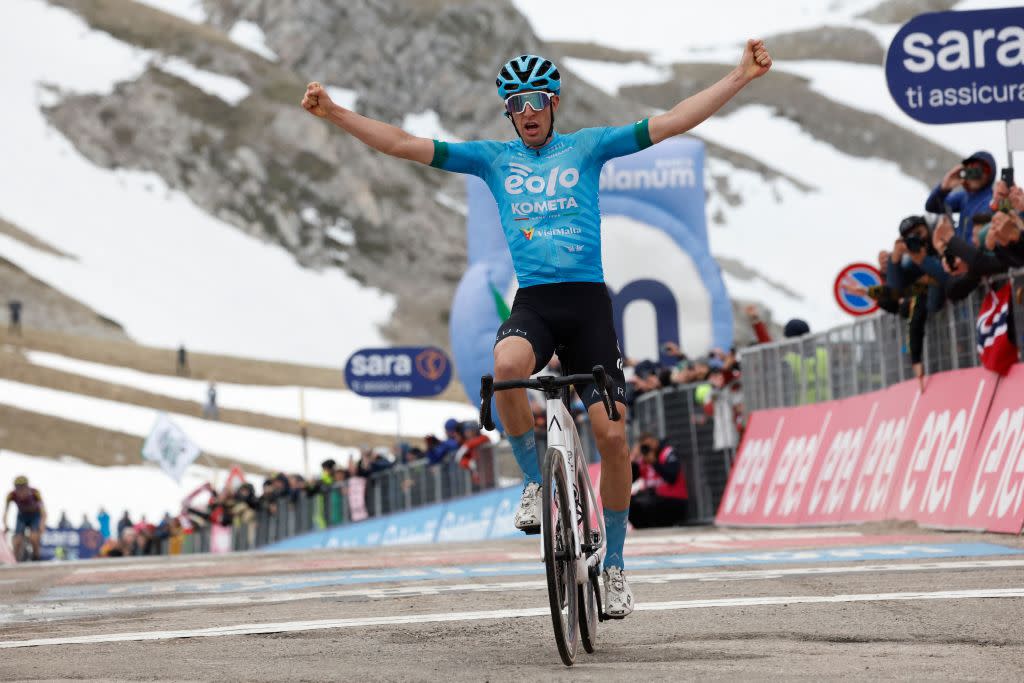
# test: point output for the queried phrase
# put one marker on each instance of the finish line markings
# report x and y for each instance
(297, 626)
(68, 610)
(284, 582)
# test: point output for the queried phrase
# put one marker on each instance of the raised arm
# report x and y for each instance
(694, 109)
(383, 137)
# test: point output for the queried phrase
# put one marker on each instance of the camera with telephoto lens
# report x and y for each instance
(914, 243)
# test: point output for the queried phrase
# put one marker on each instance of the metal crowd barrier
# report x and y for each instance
(402, 487)
(867, 355)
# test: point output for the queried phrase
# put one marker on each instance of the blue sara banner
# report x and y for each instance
(664, 282)
(955, 67)
(69, 544)
(399, 371)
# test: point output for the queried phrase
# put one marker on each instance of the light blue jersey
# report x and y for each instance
(547, 197)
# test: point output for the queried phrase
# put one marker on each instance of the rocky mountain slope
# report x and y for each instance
(271, 170)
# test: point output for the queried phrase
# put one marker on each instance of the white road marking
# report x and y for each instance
(296, 626)
(126, 567)
(67, 610)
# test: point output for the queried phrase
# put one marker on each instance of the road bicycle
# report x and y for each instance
(572, 527)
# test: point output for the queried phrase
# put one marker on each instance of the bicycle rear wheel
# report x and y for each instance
(589, 593)
(559, 560)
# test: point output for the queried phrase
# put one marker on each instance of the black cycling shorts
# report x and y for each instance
(573, 319)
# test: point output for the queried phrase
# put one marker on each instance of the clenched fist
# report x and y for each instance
(755, 61)
(316, 100)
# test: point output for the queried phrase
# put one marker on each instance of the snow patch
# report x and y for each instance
(452, 203)
(611, 76)
(169, 278)
(668, 31)
(427, 124)
(229, 89)
(189, 10)
(335, 407)
(249, 35)
(803, 239)
(261, 447)
(344, 97)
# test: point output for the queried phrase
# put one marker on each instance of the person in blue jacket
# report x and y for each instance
(451, 444)
(966, 189)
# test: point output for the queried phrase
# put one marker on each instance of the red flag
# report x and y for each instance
(995, 345)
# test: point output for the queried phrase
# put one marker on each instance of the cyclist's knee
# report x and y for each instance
(611, 440)
(513, 361)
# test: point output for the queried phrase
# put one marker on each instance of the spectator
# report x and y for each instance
(103, 519)
(268, 499)
(647, 376)
(440, 451)
(14, 324)
(723, 403)
(760, 329)
(244, 505)
(661, 498)
(182, 367)
(327, 468)
(914, 259)
(469, 450)
(123, 523)
(966, 189)
(210, 411)
(64, 524)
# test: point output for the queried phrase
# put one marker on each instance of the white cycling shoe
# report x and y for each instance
(618, 602)
(528, 513)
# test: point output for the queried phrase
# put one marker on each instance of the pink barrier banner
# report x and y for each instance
(220, 539)
(893, 408)
(6, 553)
(357, 499)
(951, 457)
(942, 437)
(992, 491)
(750, 472)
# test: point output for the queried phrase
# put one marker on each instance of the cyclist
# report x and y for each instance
(546, 187)
(31, 515)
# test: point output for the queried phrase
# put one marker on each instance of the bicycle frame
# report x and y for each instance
(563, 437)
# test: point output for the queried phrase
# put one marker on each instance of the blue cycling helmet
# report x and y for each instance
(528, 72)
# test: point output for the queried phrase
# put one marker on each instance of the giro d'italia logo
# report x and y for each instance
(527, 233)
(432, 364)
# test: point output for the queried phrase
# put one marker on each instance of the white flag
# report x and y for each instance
(168, 446)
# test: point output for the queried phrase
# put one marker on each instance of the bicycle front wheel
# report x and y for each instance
(589, 593)
(559, 556)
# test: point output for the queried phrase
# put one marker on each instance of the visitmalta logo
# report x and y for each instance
(527, 233)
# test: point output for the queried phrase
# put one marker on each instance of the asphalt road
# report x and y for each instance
(874, 602)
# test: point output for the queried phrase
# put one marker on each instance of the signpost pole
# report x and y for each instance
(304, 432)
(398, 424)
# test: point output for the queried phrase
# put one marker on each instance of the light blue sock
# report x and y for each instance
(524, 447)
(615, 529)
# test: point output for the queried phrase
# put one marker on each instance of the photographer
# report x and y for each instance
(660, 497)
(966, 189)
(914, 261)
(997, 247)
